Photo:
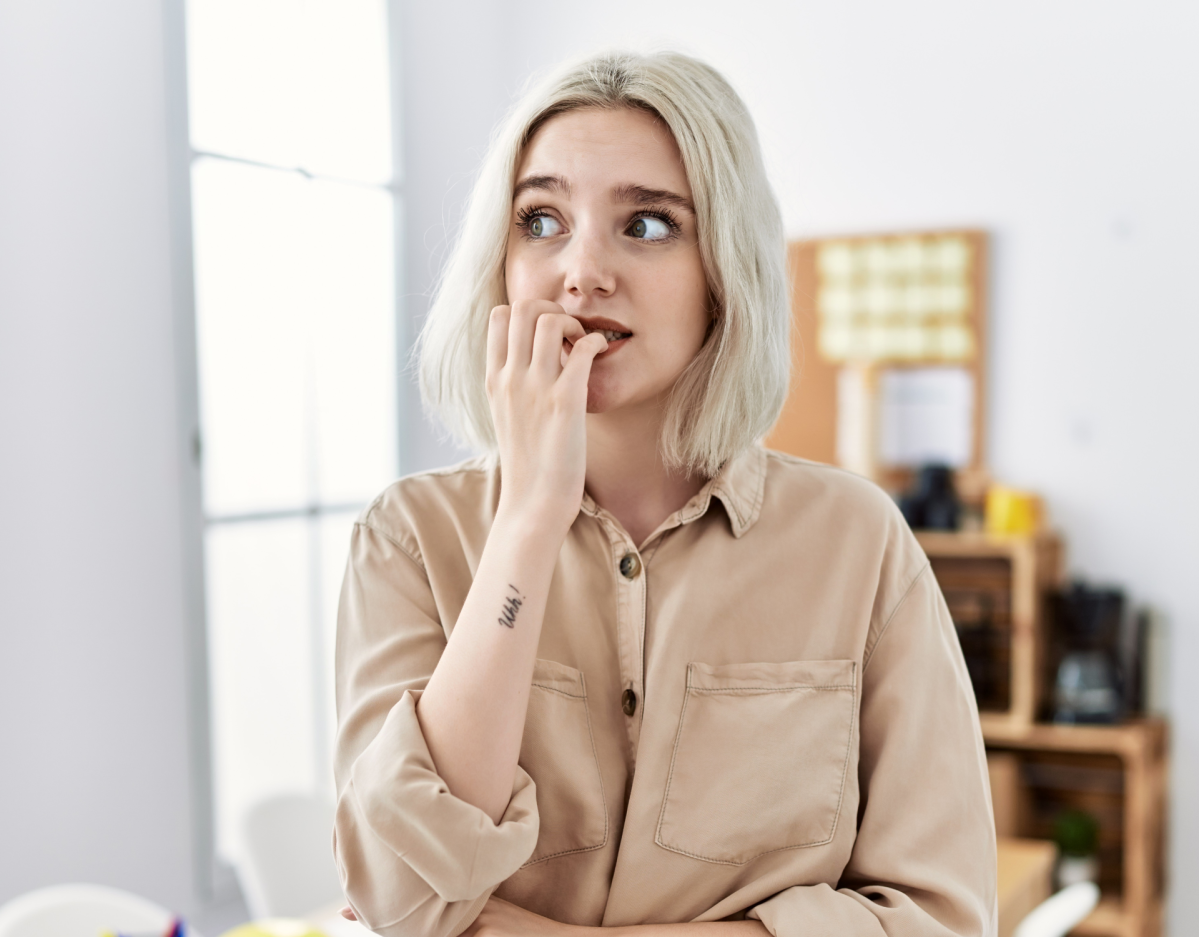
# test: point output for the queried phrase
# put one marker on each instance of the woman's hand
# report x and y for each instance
(501, 919)
(538, 363)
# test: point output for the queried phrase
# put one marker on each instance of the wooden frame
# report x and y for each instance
(807, 426)
(1141, 746)
(1037, 566)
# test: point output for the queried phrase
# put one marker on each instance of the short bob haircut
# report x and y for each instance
(730, 394)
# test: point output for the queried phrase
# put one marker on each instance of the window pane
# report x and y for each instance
(261, 659)
(250, 273)
(351, 314)
(292, 83)
(296, 338)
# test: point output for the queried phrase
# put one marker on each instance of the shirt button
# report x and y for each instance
(628, 702)
(630, 566)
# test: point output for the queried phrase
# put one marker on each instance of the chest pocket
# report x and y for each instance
(558, 752)
(760, 759)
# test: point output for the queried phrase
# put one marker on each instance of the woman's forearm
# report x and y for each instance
(706, 929)
(473, 710)
(500, 918)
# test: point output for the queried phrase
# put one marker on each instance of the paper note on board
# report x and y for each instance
(926, 415)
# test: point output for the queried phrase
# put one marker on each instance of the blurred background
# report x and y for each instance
(220, 221)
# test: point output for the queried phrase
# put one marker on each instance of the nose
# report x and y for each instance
(588, 265)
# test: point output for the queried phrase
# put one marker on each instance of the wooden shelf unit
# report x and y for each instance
(1030, 566)
(1117, 773)
(1133, 907)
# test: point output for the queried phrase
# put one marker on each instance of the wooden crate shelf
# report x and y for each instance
(1110, 920)
(1131, 843)
(1117, 773)
(1013, 574)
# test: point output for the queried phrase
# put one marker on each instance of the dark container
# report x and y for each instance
(1096, 654)
(932, 503)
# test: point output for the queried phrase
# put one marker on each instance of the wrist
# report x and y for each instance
(541, 528)
(583, 930)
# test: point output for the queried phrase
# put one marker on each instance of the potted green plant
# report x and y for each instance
(1076, 833)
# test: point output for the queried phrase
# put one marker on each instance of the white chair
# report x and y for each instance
(287, 868)
(82, 911)
(1058, 915)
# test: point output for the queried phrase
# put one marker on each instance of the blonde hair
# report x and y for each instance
(731, 393)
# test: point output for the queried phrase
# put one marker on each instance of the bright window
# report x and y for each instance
(294, 202)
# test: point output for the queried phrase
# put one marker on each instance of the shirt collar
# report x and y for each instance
(740, 486)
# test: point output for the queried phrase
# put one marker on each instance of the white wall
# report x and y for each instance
(1069, 131)
(93, 711)
(454, 79)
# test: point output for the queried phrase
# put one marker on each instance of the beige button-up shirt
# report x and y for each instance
(761, 710)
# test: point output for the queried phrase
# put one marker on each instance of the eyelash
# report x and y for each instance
(525, 216)
(664, 216)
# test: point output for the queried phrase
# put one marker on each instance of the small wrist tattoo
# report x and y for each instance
(512, 605)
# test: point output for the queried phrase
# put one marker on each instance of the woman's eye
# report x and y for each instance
(543, 226)
(649, 228)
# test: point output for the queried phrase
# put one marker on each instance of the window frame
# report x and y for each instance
(214, 881)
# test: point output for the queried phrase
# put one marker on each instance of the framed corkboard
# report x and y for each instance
(875, 317)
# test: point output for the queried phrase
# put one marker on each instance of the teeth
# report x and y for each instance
(609, 334)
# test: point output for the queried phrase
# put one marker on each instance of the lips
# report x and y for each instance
(612, 330)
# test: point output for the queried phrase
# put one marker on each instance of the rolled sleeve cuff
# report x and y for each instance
(454, 846)
(816, 909)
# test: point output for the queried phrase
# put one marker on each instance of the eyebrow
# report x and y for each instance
(544, 183)
(628, 194)
(640, 195)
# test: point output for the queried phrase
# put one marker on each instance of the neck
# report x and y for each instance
(625, 472)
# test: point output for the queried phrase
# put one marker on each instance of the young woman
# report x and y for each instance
(630, 669)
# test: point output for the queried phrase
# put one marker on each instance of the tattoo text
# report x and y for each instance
(512, 605)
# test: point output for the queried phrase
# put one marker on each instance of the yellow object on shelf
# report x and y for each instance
(276, 927)
(1012, 512)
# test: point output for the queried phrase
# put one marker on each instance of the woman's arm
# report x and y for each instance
(502, 919)
(422, 842)
(472, 713)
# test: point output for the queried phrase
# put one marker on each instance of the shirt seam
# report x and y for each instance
(772, 689)
(554, 689)
(890, 618)
(395, 543)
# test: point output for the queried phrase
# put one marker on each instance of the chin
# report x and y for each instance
(604, 394)
(609, 396)
(599, 402)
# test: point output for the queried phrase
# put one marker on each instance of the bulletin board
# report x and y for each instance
(889, 348)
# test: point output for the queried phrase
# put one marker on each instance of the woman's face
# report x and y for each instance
(603, 225)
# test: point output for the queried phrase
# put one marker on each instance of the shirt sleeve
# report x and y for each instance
(924, 858)
(413, 858)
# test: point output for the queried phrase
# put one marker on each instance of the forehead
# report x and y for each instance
(606, 146)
